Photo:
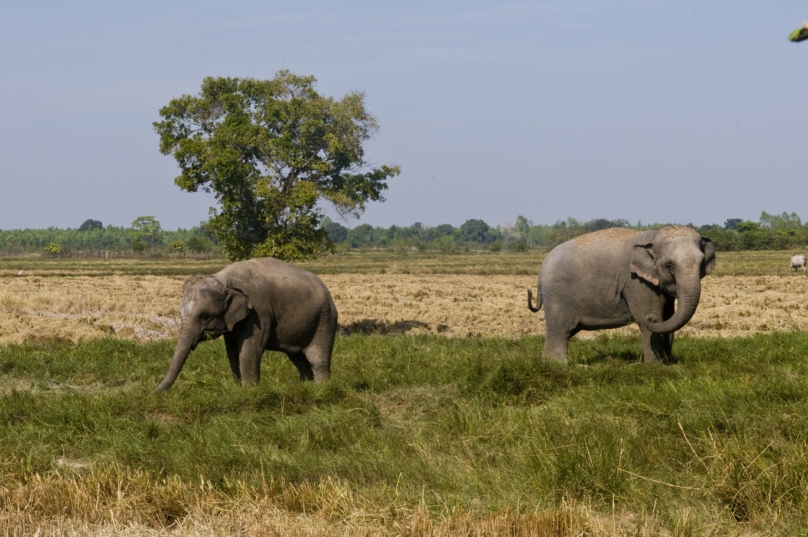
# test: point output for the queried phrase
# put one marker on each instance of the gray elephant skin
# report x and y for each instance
(259, 304)
(618, 276)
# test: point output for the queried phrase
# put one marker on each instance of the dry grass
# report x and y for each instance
(134, 307)
(144, 308)
(111, 502)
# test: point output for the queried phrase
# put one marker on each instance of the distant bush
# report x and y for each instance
(53, 250)
(519, 246)
(90, 225)
(199, 244)
(336, 232)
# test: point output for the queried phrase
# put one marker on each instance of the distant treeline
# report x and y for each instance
(144, 237)
(92, 238)
(772, 232)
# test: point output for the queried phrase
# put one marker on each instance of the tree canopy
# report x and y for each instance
(271, 151)
(147, 229)
(90, 225)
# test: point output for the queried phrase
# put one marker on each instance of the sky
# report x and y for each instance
(652, 111)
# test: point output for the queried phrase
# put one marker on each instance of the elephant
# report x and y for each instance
(613, 277)
(258, 304)
(798, 262)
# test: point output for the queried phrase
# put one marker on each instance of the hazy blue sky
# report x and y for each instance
(645, 110)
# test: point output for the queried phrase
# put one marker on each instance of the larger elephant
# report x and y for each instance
(618, 276)
(259, 304)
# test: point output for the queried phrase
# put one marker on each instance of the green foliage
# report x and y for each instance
(519, 246)
(199, 244)
(781, 221)
(90, 225)
(445, 244)
(717, 438)
(53, 249)
(116, 240)
(774, 232)
(521, 228)
(178, 246)
(337, 233)
(271, 151)
(748, 227)
(474, 231)
(147, 230)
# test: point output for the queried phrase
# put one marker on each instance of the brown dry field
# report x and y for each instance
(457, 296)
(68, 505)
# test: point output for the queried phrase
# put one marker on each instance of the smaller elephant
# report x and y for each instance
(259, 304)
(797, 262)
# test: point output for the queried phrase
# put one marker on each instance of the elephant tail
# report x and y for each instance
(530, 301)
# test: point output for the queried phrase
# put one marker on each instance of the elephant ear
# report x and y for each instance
(708, 265)
(238, 306)
(642, 261)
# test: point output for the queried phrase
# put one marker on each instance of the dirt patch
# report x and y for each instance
(144, 308)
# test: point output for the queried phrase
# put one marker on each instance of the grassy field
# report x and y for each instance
(371, 262)
(414, 435)
(410, 429)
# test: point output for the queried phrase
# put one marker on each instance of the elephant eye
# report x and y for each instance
(204, 317)
(669, 266)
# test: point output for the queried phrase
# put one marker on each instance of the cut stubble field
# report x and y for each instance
(483, 296)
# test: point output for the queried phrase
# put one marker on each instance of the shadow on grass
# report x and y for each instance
(604, 349)
(376, 327)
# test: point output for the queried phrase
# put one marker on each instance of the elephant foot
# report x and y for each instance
(548, 357)
(653, 360)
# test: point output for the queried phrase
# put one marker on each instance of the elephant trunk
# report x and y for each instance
(187, 341)
(689, 292)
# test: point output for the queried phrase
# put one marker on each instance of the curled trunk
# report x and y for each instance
(186, 343)
(689, 291)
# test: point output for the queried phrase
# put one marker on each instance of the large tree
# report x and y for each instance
(271, 151)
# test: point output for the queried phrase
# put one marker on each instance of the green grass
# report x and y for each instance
(719, 438)
(94, 266)
(371, 262)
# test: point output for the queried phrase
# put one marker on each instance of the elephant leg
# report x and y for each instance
(250, 349)
(302, 364)
(318, 353)
(654, 346)
(232, 346)
(667, 313)
(250, 362)
(319, 359)
(556, 338)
